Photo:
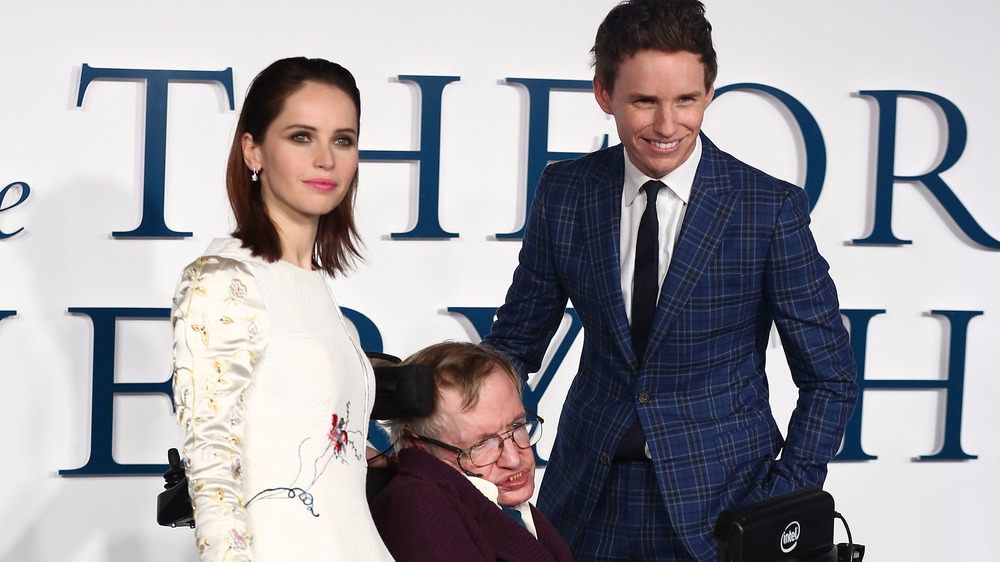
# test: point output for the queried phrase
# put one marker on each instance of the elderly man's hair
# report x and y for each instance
(454, 365)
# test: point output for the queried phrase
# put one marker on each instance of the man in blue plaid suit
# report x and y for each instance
(653, 445)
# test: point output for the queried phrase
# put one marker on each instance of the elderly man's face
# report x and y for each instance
(499, 408)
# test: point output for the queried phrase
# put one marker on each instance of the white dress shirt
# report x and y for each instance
(492, 493)
(671, 203)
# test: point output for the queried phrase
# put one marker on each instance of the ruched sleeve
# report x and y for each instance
(220, 332)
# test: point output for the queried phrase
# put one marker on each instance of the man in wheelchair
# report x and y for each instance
(466, 471)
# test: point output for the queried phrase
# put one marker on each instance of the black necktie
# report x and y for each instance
(645, 286)
(646, 282)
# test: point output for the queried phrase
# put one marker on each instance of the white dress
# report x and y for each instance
(274, 397)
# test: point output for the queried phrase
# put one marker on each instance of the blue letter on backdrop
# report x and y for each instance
(101, 463)
(539, 155)
(4, 314)
(371, 340)
(428, 157)
(885, 174)
(25, 190)
(953, 385)
(151, 224)
(811, 136)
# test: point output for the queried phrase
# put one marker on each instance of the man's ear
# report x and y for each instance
(408, 439)
(710, 95)
(603, 96)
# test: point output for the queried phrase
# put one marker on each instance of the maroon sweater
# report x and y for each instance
(430, 511)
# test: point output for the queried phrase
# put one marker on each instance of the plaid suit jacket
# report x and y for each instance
(745, 258)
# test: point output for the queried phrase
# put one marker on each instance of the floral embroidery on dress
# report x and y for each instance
(236, 540)
(211, 302)
(338, 435)
(340, 446)
(252, 329)
(237, 290)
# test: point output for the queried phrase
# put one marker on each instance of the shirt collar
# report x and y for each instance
(490, 490)
(679, 181)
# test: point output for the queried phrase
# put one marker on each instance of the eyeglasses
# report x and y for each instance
(486, 452)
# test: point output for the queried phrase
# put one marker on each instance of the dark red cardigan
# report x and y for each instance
(430, 511)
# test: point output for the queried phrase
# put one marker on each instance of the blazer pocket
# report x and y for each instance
(746, 456)
(736, 282)
(747, 444)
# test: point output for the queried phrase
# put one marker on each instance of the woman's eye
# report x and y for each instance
(300, 137)
(345, 141)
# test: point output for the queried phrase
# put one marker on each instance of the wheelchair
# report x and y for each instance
(795, 527)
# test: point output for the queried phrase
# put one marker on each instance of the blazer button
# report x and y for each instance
(605, 459)
(644, 397)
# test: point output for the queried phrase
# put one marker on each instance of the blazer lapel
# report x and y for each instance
(602, 228)
(713, 198)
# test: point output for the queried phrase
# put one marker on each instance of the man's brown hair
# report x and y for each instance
(661, 25)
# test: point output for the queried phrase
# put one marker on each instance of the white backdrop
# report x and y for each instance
(84, 166)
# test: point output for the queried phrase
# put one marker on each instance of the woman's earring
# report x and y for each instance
(254, 176)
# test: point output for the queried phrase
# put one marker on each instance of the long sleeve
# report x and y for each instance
(536, 299)
(220, 332)
(806, 311)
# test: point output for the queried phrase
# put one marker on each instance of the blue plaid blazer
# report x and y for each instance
(745, 258)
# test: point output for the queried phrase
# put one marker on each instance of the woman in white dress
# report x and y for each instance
(272, 392)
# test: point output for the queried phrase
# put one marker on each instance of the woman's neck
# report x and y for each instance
(297, 244)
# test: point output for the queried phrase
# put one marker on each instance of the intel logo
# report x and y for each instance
(790, 537)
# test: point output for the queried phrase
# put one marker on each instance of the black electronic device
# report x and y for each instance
(173, 505)
(403, 391)
(794, 527)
